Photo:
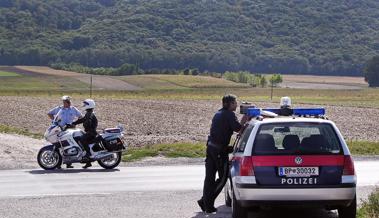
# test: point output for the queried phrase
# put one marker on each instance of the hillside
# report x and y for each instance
(329, 37)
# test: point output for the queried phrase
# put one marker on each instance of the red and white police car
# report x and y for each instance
(301, 159)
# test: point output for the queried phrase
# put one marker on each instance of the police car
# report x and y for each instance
(301, 159)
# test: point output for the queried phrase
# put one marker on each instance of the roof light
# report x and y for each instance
(285, 102)
(309, 111)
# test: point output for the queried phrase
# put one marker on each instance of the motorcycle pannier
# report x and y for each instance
(113, 144)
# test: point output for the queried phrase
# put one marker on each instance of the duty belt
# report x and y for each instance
(214, 145)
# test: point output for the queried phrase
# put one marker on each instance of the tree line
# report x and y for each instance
(324, 37)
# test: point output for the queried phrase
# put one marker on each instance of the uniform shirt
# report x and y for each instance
(66, 115)
(224, 123)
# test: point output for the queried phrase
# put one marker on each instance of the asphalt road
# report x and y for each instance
(158, 191)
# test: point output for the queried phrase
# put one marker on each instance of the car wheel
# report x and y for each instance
(349, 211)
(237, 210)
(228, 199)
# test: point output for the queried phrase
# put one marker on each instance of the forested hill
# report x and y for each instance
(282, 36)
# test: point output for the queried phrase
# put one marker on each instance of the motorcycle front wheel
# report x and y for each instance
(48, 158)
(110, 162)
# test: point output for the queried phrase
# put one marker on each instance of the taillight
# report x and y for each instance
(246, 166)
(348, 166)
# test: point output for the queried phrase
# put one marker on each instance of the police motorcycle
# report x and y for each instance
(65, 147)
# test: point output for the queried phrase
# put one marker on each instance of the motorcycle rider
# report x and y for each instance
(224, 123)
(90, 124)
(67, 114)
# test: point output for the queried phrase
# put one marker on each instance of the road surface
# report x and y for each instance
(155, 191)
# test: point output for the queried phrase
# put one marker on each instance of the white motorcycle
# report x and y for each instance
(65, 147)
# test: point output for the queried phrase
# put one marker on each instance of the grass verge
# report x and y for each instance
(7, 74)
(13, 130)
(363, 147)
(198, 150)
(370, 208)
(191, 150)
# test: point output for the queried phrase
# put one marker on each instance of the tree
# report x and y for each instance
(195, 72)
(275, 79)
(187, 71)
(127, 69)
(371, 72)
(263, 81)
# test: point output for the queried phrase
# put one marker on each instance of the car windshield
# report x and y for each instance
(296, 138)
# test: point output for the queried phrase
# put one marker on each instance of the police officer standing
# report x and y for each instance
(224, 123)
(66, 114)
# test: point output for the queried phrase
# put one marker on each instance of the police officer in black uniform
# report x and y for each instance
(90, 124)
(224, 123)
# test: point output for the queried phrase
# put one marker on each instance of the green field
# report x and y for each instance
(24, 84)
(359, 98)
(176, 87)
(169, 82)
(8, 74)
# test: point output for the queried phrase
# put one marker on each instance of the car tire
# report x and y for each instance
(237, 210)
(349, 211)
(228, 199)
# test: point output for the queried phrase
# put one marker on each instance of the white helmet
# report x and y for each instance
(88, 104)
(66, 98)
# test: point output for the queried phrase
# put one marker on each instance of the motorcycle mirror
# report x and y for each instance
(121, 127)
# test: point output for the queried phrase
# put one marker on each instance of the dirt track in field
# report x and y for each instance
(156, 121)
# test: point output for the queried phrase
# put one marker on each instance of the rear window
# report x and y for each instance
(296, 138)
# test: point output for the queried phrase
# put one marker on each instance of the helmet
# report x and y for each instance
(285, 102)
(88, 104)
(66, 98)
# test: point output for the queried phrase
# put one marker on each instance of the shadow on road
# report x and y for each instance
(226, 212)
(222, 211)
(64, 171)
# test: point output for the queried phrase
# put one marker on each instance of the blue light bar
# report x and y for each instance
(253, 112)
(309, 111)
(273, 110)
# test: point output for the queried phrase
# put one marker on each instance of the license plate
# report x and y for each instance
(298, 171)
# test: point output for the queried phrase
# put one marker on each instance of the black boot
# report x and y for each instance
(69, 166)
(88, 164)
(201, 204)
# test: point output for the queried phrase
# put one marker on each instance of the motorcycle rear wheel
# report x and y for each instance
(48, 158)
(112, 162)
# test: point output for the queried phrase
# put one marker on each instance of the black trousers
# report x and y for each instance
(216, 162)
(87, 139)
